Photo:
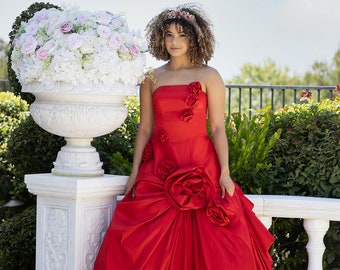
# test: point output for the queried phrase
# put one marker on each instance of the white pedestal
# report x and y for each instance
(73, 214)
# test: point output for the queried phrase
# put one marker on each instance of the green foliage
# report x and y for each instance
(23, 17)
(289, 250)
(12, 111)
(308, 150)
(306, 161)
(119, 165)
(249, 146)
(4, 47)
(121, 140)
(17, 241)
(30, 149)
(320, 74)
(267, 74)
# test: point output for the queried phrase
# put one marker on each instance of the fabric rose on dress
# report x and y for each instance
(191, 100)
(148, 152)
(195, 88)
(162, 136)
(187, 115)
(216, 212)
(166, 168)
(188, 188)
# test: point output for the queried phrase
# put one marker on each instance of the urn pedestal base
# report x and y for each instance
(78, 158)
(73, 214)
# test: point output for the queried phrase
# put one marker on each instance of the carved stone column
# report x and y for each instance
(73, 214)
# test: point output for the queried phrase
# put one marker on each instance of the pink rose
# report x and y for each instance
(166, 168)
(42, 53)
(104, 31)
(148, 152)
(29, 45)
(216, 212)
(115, 41)
(74, 41)
(162, 136)
(188, 188)
(66, 27)
(134, 50)
(187, 115)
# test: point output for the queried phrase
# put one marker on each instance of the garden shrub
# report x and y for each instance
(17, 241)
(249, 146)
(13, 110)
(30, 149)
(116, 148)
(306, 162)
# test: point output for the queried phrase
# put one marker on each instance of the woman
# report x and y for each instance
(182, 211)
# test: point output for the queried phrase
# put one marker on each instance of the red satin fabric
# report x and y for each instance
(177, 219)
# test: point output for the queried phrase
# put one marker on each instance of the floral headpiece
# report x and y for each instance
(180, 14)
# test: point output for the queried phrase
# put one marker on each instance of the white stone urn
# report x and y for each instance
(78, 113)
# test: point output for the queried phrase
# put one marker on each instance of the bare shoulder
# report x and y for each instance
(210, 78)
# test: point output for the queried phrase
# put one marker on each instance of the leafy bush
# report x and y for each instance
(116, 149)
(17, 241)
(249, 146)
(306, 161)
(30, 149)
(12, 111)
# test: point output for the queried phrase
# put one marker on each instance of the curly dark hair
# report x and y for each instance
(195, 25)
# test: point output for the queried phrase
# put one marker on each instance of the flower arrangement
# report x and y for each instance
(77, 47)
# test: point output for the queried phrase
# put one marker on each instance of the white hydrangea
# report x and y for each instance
(78, 47)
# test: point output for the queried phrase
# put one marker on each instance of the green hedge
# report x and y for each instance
(306, 161)
(17, 241)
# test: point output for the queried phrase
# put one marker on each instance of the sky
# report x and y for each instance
(292, 33)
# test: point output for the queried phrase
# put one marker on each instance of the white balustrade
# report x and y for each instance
(316, 212)
(74, 213)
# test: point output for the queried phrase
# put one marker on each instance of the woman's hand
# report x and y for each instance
(227, 185)
(130, 185)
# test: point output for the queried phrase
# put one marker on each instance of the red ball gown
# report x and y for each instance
(177, 219)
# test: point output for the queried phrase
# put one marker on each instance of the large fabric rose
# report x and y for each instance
(165, 168)
(162, 136)
(148, 152)
(188, 188)
(216, 212)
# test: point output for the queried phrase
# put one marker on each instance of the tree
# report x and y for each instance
(267, 74)
(335, 72)
(320, 75)
(4, 47)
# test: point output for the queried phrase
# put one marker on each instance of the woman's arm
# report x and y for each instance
(144, 130)
(215, 90)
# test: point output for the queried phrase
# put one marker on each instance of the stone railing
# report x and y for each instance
(74, 213)
(316, 213)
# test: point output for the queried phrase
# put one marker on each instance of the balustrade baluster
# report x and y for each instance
(316, 230)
